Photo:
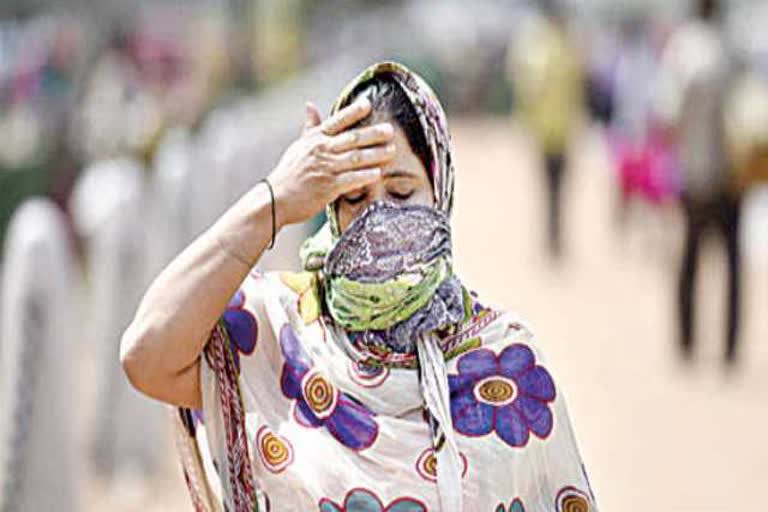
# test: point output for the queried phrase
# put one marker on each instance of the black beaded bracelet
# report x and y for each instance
(274, 223)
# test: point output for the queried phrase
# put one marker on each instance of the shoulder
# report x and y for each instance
(261, 292)
(295, 294)
(262, 304)
(278, 284)
(487, 327)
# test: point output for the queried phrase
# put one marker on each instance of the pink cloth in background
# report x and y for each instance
(648, 169)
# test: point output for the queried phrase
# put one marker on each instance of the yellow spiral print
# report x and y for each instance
(496, 391)
(430, 465)
(426, 465)
(274, 451)
(319, 394)
(570, 499)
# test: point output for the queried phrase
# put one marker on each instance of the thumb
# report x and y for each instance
(312, 116)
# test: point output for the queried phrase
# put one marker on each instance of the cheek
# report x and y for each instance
(346, 213)
(423, 197)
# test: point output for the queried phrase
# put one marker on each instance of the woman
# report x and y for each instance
(373, 380)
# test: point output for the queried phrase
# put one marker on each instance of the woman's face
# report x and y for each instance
(404, 181)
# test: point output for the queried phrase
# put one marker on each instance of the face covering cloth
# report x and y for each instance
(389, 279)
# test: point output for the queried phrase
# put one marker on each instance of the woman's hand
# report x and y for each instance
(329, 159)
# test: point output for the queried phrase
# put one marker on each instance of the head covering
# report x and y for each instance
(435, 127)
(433, 123)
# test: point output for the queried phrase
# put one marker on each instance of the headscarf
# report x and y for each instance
(435, 127)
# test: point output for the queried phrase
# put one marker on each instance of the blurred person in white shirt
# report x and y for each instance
(693, 85)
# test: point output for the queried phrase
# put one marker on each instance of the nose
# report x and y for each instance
(376, 192)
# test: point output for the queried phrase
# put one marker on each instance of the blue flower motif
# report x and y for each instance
(508, 394)
(477, 307)
(241, 326)
(363, 500)
(318, 402)
(515, 506)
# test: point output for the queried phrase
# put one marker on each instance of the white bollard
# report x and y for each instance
(109, 209)
(39, 361)
(169, 224)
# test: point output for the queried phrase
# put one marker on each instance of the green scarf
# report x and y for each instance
(364, 306)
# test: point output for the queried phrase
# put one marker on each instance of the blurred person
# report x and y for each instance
(119, 114)
(148, 79)
(276, 42)
(746, 129)
(645, 164)
(600, 62)
(372, 375)
(207, 71)
(693, 85)
(37, 84)
(546, 73)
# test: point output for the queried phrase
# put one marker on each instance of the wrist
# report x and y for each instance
(282, 202)
(247, 227)
(272, 212)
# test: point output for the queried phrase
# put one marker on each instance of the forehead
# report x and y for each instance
(405, 162)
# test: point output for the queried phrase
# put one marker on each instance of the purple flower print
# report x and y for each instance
(242, 327)
(318, 402)
(507, 393)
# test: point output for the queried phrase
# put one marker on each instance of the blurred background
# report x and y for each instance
(612, 163)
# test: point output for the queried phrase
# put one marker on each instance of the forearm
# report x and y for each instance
(184, 302)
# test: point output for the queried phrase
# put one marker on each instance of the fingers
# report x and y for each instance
(362, 158)
(352, 180)
(346, 117)
(312, 116)
(361, 137)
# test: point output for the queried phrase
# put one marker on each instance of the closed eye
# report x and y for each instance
(400, 196)
(355, 198)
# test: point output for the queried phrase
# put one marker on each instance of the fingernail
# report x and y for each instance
(387, 128)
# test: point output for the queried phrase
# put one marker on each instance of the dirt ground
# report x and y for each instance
(655, 434)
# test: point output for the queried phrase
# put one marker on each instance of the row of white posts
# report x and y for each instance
(67, 412)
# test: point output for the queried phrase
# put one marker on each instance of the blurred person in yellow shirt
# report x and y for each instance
(545, 70)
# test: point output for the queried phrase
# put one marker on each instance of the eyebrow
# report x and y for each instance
(398, 173)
